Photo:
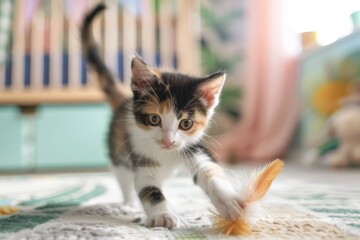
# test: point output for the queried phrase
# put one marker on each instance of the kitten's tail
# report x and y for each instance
(115, 94)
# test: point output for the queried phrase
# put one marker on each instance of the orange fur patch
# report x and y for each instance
(199, 123)
(165, 106)
(214, 170)
(154, 107)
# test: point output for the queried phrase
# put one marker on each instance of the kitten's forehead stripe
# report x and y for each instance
(166, 106)
(183, 91)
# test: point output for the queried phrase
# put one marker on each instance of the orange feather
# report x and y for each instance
(259, 186)
(263, 180)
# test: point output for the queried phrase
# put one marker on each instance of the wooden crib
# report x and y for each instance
(46, 64)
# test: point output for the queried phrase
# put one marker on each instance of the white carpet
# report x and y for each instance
(302, 204)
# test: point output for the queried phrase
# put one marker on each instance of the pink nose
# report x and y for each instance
(167, 142)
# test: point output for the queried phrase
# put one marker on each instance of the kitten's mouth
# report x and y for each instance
(167, 147)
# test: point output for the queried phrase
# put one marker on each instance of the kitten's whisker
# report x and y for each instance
(199, 167)
(212, 139)
(152, 89)
(213, 120)
(188, 159)
(168, 90)
(125, 141)
(190, 102)
(145, 101)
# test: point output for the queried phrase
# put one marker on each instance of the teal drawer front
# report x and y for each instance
(72, 136)
(10, 139)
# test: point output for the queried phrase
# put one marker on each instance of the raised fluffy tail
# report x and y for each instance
(108, 83)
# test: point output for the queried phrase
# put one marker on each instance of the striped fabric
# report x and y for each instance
(6, 7)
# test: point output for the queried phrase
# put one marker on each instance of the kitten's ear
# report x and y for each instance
(143, 76)
(210, 89)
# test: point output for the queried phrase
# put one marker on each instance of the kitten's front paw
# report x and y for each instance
(229, 207)
(165, 219)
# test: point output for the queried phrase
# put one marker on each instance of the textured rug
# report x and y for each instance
(87, 206)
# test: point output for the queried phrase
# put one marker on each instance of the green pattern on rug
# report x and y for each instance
(338, 204)
(58, 196)
(70, 197)
(336, 210)
(74, 201)
(22, 221)
(190, 234)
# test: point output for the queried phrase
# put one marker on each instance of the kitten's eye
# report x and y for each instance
(186, 124)
(153, 119)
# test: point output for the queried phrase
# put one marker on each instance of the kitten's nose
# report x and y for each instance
(167, 142)
(168, 138)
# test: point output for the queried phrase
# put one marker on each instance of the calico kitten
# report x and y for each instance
(157, 128)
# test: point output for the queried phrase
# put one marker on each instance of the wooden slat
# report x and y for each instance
(129, 41)
(56, 44)
(111, 38)
(2, 77)
(3, 59)
(188, 36)
(18, 50)
(37, 49)
(34, 97)
(148, 33)
(166, 33)
(74, 56)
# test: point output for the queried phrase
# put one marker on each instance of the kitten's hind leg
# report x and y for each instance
(125, 178)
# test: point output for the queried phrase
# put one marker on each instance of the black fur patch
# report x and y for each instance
(140, 118)
(151, 194)
(196, 149)
(195, 178)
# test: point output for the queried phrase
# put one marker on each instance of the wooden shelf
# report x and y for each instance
(51, 96)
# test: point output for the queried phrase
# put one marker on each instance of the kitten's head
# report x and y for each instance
(172, 109)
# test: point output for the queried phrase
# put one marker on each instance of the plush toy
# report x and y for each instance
(259, 185)
(343, 128)
(338, 145)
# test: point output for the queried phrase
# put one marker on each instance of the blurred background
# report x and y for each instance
(292, 90)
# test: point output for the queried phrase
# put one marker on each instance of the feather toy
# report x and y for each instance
(258, 187)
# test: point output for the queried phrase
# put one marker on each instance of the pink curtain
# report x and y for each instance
(270, 110)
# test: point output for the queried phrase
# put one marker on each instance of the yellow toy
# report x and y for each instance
(8, 210)
(259, 185)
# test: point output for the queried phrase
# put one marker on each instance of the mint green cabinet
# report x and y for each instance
(10, 139)
(71, 136)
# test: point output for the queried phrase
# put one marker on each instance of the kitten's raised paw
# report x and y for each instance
(230, 207)
(166, 220)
